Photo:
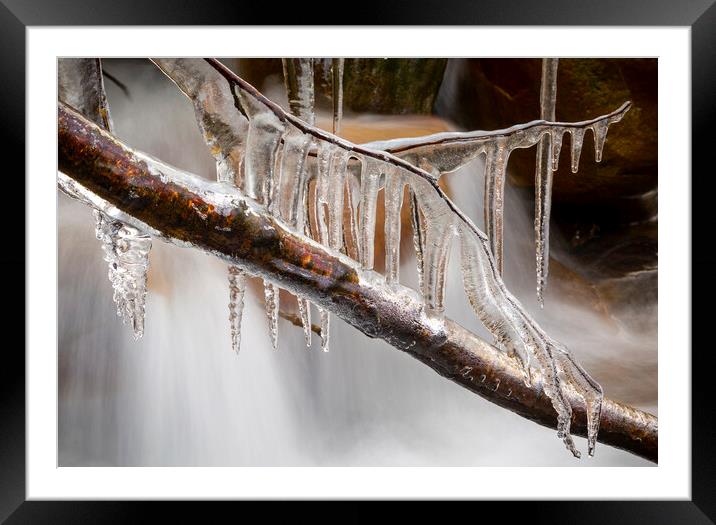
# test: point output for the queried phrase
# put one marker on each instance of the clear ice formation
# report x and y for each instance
(299, 82)
(298, 79)
(126, 249)
(443, 153)
(224, 132)
(346, 179)
(237, 290)
(327, 187)
(545, 165)
(337, 65)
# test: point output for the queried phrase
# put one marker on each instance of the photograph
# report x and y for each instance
(358, 261)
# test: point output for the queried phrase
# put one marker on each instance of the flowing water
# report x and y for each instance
(180, 396)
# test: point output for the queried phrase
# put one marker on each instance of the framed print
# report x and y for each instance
(361, 262)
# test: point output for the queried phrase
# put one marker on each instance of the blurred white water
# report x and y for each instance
(180, 396)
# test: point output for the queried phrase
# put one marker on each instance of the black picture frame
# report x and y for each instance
(700, 15)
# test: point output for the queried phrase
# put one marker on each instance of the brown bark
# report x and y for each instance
(178, 208)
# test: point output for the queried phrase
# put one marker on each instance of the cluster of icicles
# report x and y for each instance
(327, 188)
(304, 176)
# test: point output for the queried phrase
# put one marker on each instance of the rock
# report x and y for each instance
(392, 85)
(370, 85)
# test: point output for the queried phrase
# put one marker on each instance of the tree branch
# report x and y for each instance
(186, 210)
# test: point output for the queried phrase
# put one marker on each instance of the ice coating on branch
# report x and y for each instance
(336, 163)
(337, 83)
(126, 249)
(547, 156)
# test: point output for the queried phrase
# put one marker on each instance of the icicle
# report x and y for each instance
(127, 254)
(556, 138)
(266, 131)
(352, 189)
(81, 85)
(393, 203)
(577, 141)
(369, 186)
(336, 191)
(599, 129)
(291, 197)
(418, 236)
(293, 176)
(237, 289)
(323, 183)
(304, 312)
(332, 167)
(543, 175)
(323, 161)
(337, 73)
(262, 145)
(325, 329)
(437, 227)
(495, 164)
(437, 250)
(298, 78)
(586, 387)
(271, 297)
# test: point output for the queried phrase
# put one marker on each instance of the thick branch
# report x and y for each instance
(187, 210)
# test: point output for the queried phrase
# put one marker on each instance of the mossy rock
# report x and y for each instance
(394, 86)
